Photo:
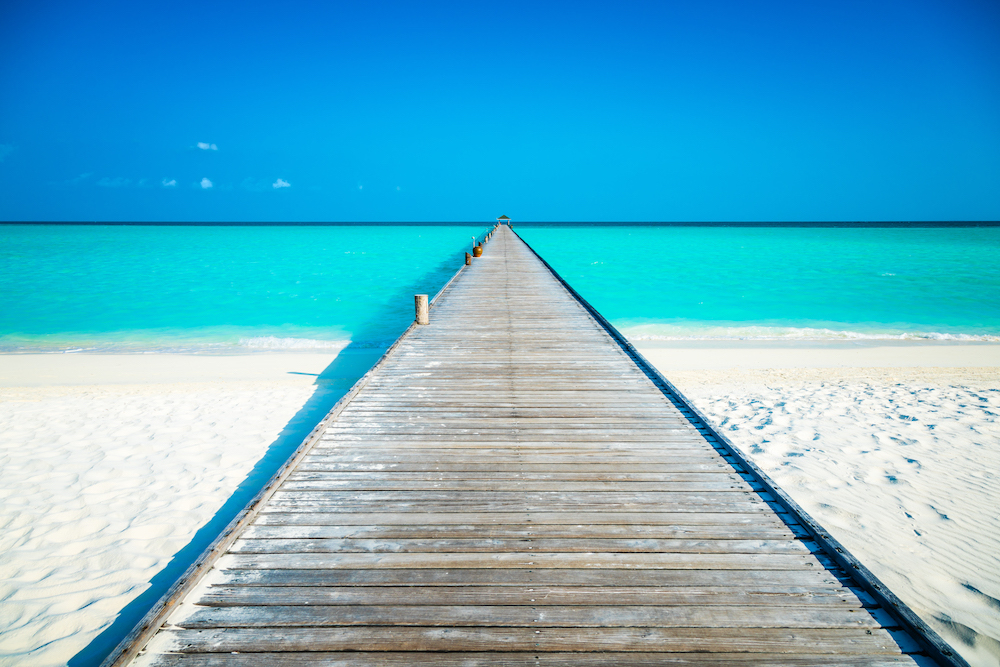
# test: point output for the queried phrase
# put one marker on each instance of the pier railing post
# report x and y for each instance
(423, 312)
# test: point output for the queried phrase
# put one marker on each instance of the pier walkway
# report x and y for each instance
(511, 486)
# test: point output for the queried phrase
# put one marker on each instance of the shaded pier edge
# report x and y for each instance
(150, 624)
(932, 643)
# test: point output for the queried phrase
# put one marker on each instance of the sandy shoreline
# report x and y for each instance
(110, 464)
(73, 370)
(670, 356)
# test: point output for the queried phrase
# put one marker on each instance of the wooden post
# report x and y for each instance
(423, 313)
(468, 259)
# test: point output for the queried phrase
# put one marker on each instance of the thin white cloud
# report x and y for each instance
(80, 178)
(5, 150)
(207, 147)
(205, 184)
(281, 183)
(118, 182)
(169, 184)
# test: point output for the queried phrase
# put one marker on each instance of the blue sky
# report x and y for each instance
(407, 111)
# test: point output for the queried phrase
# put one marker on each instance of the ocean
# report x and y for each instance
(791, 283)
(227, 289)
(221, 289)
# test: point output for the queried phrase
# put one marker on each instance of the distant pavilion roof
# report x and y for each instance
(503, 217)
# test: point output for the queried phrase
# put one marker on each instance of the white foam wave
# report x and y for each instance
(168, 345)
(275, 343)
(667, 332)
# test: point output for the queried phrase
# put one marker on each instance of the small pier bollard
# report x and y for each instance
(468, 259)
(423, 313)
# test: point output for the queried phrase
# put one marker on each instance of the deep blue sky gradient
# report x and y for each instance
(717, 110)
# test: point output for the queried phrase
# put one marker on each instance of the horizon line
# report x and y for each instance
(530, 223)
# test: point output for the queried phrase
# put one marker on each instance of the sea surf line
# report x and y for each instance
(783, 283)
(217, 288)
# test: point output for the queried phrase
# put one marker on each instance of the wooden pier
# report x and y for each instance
(513, 485)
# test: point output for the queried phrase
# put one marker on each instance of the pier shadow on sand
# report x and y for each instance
(335, 381)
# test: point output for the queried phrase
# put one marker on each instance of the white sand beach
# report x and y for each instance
(110, 465)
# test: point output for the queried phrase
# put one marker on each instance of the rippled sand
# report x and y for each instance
(100, 485)
(902, 465)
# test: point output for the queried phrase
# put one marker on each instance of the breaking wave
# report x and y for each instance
(276, 343)
(674, 332)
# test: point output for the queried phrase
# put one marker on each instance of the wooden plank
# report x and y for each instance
(491, 410)
(377, 424)
(593, 561)
(422, 464)
(606, 454)
(513, 485)
(534, 596)
(599, 475)
(274, 516)
(607, 457)
(291, 504)
(522, 436)
(746, 640)
(454, 615)
(274, 545)
(503, 501)
(524, 530)
(529, 659)
(494, 577)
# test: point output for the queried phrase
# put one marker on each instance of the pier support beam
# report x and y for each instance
(423, 312)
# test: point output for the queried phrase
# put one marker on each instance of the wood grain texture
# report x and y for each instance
(642, 639)
(530, 659)
(510, 488)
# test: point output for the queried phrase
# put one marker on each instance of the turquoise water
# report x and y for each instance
(783, 283)
(135, 288)
(119, 288)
